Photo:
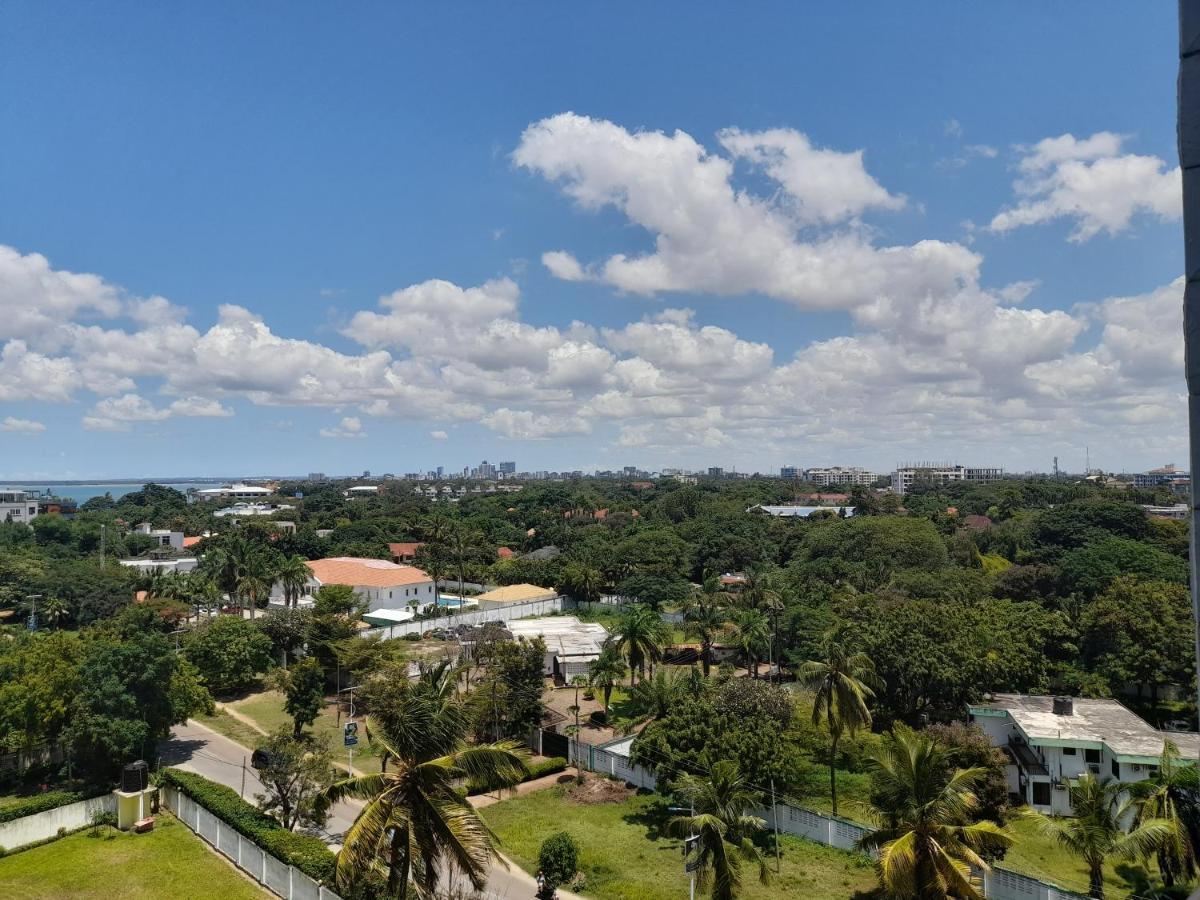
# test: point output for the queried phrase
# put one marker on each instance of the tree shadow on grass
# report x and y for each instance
(656, 818)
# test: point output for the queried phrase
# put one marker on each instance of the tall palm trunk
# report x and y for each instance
(1096, 878)
(834, 735)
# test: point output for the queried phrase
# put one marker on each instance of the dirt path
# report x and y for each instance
(479, 801)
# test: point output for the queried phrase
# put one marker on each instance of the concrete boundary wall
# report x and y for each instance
(998, 884)
(507, 613)
(278, 877)
(46, 824)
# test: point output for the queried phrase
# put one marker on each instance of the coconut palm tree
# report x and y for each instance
(292, 574)
(844, 682)
(922, 808)
(1173, 795)
(639, 634)
(704, 618)
(752, 636)
(1094, 833)
(722, 828)
(414, 820)
(605, 673)
(582, 581)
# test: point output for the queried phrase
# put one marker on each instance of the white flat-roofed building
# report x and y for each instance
(251, 509)
(17, 506)
(1052, 740)
(939, 475)
(835, 475)
(361, 490)
(162, 537)
(238, 491)
(795, 511)
(176, 566)
(571, 646)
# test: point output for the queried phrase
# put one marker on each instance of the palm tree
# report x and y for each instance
(1173, 796)
(55, 609)
(922, 810)
(464, 545)
(1094, 833)
(752, 636)
(415, 820)
(582, 581)
(844, 682)
(293, 574)
(657, 694)
(639, 634)
(722, 828)
(704, 619)
(608, 669)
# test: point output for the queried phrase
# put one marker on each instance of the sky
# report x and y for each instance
(293, 237)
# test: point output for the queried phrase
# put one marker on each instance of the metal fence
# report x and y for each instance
(506, 613)
(998, 884)
(278, 877)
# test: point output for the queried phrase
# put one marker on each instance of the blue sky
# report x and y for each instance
(992, 281)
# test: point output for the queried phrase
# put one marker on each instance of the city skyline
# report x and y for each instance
(313, 255)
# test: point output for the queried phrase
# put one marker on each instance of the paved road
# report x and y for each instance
(195, 748)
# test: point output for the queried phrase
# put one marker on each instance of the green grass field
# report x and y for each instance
(168, 863)
(266, 709)
(626, 855)
(1036, 855)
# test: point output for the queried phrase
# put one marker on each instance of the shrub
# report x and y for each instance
(411, 636)
(308, 854)
(559, 858)
(40, 803)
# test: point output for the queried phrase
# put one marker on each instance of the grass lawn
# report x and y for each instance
(1034, 854)
(234, 729)
(169, 863)
(266, 709)
(626, 855)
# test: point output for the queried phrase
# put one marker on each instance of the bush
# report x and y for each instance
(308, 854)
(42, 802)
(558, 858)
(411, 636)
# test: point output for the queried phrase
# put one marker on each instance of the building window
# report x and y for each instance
(1092, 756)
(1041, 793)
(1116, 769)
(1068, 751)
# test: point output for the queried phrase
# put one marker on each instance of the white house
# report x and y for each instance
(237, 491)
(251, 509)
(794, 511)
(178, 565)
(571, 646)
(1052, 740)
(384, 584)
(17, 506)
(162, 537)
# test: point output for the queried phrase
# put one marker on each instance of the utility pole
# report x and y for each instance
(242, 792)
(775, 821)
(101, 545)
(1189, 162)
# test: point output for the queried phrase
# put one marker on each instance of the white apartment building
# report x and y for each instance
(17, 506)
(237, 491)
(176, 566)
(937, 475)
(1052, 740)
(835, 475)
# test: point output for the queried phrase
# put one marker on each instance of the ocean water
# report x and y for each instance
(81, 493)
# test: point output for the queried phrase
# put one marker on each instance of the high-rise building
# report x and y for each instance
(507, 468)
(790, 472)
(715, 472)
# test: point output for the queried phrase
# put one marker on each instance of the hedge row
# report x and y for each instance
(537, 770)
(42, 802)
(308, 854)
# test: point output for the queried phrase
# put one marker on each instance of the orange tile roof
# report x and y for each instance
(505, 552)
(405, 548)
(191, 541)
(361, 572)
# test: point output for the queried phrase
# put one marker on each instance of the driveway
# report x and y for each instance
(195, 748)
